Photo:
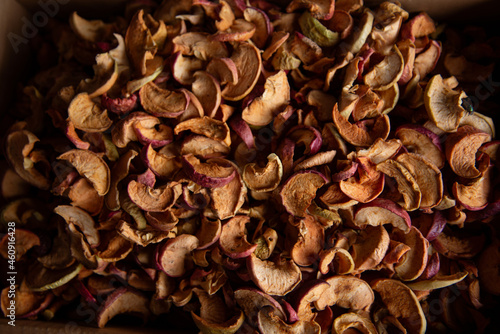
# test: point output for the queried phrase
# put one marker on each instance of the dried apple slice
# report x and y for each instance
(199, 45)
(86, 115)
(209, 233)
(92, 31)
(461, 148)
(266, 178)
(25, 240)
(348, 322)
(438, 282)
(105, 76)
(155, 200)
(274, 278)
(270, 323)
(317, 32)
(381, 150)
(386, 73)
(465, 243)
(321, 158)
(203, 147)
(299, 191)
(382, 211)
(19, 147)
(308, 293)
(162, 165)
(81, 219)
(308, 136)
(414, 262)
(264, 108)
(206, 88)
(214, 173)
(91, 166)
(123, 300)
(40, 278)
(407, 185)
(208, 127)
(338, 258)
(443, 104)
(367, 186)
(263, 26)
(347, 292)
(174, 257)
(224, 70)
(233, 241)
(427, 60)
(248, 62)
(370, 247)
(162, 102)
(240, 31)
(143, 236)
(475, 195)
(402, 304)
(140, 46)
(310, 239)
(252, 301)
(321, 10)
(420, 140)
(228, 199)
(424, 171)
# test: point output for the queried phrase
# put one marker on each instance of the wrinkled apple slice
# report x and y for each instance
(228, 199)
(407, 185)
(382, 211)
(438, 282)
(270, 323)
(427, 60)
(86, 115)
(252, 301)
(174, 257)
(25, 240)
(420, 140)
(183, 68)
(154, 199)
(443, 104)
(358, 136)
(321, 158)
(419, 26)
(274, 278)
(414, 262)
(92, 31)
(346, 291)
(381, 150)
(475, 196)
(123, 300)
(370, 248)
(299, 191)
(204, 147)
(18, 147)
(214, 173)
(402, 304)
(81, 219)
(42, 279)
(206, 88)
(105, 76)
(233, 238)
(91, 166)
(339, 258)
(461, 148)
(386, 73)
(162, 102)
(140, 46)
(266, 178)
(248, 62)
(124, 130)
(308, 293)
(349, 322)
(240, 31)
(118, 172)
(263, 26)
(277, 40)
(210, 326)
(144, 235)
(322, 10)
(209, 233)
(480, 122)
(423, 172)
(308, 136)
(317, 32)
(199, 45)
(224, 70)
(208, 127)
(162, 165)
(367, 186)
(119, 106)
(310, 238)
(264, 108)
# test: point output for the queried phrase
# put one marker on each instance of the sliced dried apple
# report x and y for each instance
(262, 110)
(92, 31)
(81, 219)
(299, 191)
(206, 88)
(367, 186)
(233, 239)
(154, 199)
(41, 278)
(438, 282)
(317, 32)
(91, 166)
(276, 278)
(25, 240)
(461, 148)
(174, 257)
(162, 102)
(263, 26)
(211, 174)
(382, 211)
(224, 70)
(347, 292)
(322, 10)
(252, 301)
(402, 304)
(88, 116)
(266, 178)
(309, 292)
(386, 73)
(270, 323)
(309, 241)
(420, 140)
(248, 62)
(123, 300)
(348, 322)
(370, 248)
(208, 127)
(199, 45)
(413, 262)
(228, 199)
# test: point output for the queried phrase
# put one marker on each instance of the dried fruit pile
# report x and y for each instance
(307, 168)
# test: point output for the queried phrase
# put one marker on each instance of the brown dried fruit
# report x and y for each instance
(299, 191)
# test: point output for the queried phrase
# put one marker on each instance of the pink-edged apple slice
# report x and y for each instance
(382, 211)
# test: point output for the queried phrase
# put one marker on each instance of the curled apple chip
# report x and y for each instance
(427, 60)
(347, 292)
(386, 73)
(208, 127)
(264, 108)
(248, 63)
(308, 293)
(143, 236)
(407, 185)
(317, 32)
(92, 31)
(91, 166)
(209, 233)
(161, 163)
(299, 191)
(367, 186)
(322, 10)
(223, 70)
(174, 257)
(309, 235)
(437, 282)
(381, 150)
(443, 104)
(228, 199)
(382, 211)
(81, 219)
(25, 240)
(461, 148)
(233, 241)
(475, 195)
(266, 178)
(123, 300)
(402, 304)
(154, 199)
(370, 248)
(41, 278)
(413, 262)
(308, 136)
(206, 88)
(348, 322)
(417, 139)
(269, 322)
(162, 102)
(263, 26)
(19, 147)
(211, 174)
(198, 44)
(276, 278)
(87, 115)
(252, 301)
